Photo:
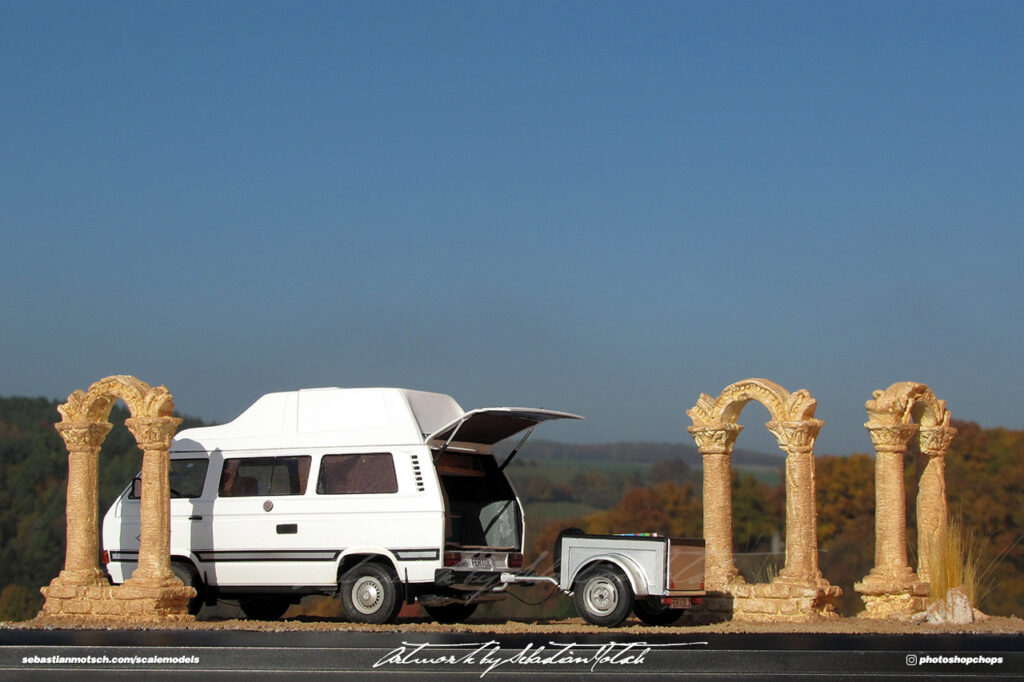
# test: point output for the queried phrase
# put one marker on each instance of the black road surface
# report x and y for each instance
(220, 654)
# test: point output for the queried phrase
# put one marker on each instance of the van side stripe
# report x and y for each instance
(124, 556)
(270, 555)
(429, 554)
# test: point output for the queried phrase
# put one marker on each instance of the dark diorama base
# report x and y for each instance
(552, 650)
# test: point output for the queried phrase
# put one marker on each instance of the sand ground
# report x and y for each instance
(993, 625)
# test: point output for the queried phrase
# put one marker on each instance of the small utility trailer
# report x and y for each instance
(608, 576)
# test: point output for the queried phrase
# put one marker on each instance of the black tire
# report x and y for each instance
(264, 608)
(189, 576)
(655, 614)
(450, 613)
(603, 596)
(371, 593)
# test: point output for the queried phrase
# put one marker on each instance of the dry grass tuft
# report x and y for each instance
(955, 560)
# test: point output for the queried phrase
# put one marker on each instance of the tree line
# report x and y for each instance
(984, 477)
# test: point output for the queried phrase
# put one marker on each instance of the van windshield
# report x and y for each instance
(185, 476)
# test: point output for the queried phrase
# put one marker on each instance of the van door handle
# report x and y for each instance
(195, 518)
(287, 528)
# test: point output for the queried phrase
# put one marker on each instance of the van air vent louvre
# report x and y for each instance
(417, 473)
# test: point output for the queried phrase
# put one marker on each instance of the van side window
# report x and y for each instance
(355, 474)
(252, 476)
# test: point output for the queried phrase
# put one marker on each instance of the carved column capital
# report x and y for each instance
(796, 436)
(890, 437)
(935, 440)
(715, 440)
(153, 433)
(80, 436)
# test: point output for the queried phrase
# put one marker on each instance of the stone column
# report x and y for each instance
(154, 435)
(796, 439)
(932, 514)
(715, 444)
(891, 566)
(81, 562)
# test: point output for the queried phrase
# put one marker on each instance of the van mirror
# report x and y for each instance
(136, 493)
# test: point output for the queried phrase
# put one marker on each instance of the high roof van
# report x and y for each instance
(381, 496)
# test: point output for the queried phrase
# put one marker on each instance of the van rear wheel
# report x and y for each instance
(371, 593)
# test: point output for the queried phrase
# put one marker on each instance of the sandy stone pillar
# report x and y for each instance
(154, 435)
(891, 567)
(796, 438)
(81, 562)
(715, 444)
(932, 514)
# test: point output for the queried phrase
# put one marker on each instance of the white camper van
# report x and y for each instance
(382, 496)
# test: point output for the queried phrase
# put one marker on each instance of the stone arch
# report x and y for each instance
(895, 415)
(726, 408)
(82, 588)
(799, 591)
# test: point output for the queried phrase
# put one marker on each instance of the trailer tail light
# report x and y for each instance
(105, 557)
(515, 560)
(452, 558)
(698, 600)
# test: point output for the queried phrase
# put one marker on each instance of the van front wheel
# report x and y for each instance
(264, 608)
(370, 593)
(189, 577)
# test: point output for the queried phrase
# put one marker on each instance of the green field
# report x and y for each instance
(551, 511)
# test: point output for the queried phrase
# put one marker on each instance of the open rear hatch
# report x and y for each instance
(489, 425)
(481, 508)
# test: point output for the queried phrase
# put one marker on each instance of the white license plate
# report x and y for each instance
(480, 563)
(680, 603)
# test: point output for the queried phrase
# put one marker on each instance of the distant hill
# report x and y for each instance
(640, 453)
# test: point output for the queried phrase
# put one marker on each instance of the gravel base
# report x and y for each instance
(993, 625)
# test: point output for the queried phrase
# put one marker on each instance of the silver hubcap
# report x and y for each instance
(367, 595)
(601, 596)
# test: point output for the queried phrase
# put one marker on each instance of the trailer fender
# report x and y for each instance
(637, 580)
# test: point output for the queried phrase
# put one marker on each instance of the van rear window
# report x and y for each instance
(357, 474)
(252, 476)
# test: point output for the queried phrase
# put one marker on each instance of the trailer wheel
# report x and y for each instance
(189, 576)
(656, 614)
(370, 593)
(603, 596)
(450, 613)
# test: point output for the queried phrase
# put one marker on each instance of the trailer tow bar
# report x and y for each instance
(512, 578)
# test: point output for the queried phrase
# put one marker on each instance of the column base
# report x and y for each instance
(892, 594)
(787, 602)
(118, 602)
(70, 579)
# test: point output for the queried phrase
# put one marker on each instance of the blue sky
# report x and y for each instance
(606, 208)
